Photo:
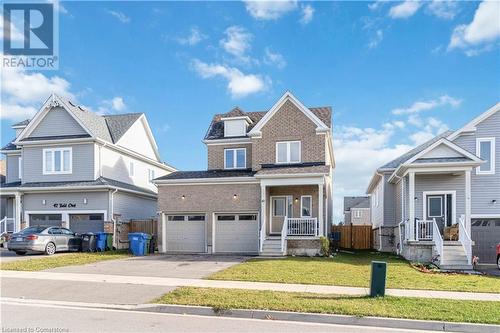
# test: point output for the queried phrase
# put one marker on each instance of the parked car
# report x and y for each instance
(45, 239)
(498, 255)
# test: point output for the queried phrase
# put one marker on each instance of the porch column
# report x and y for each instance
(320, 209)
(468, 201)
(163, 229)
(411, 204)
(17, 212)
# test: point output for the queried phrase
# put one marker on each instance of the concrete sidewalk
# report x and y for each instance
(177, 282)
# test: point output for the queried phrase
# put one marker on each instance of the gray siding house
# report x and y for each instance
(357, 211)
(74, 168)
(440, 202)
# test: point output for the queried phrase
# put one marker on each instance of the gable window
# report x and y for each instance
(485, 149)
(288, 152)
(235, 158)
(131, 169)
(357, 214)
(305, 206)
(57, 161)
(151, 175)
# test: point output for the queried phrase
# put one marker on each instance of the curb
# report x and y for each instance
(321, 318)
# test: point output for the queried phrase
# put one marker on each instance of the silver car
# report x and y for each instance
(46, 239)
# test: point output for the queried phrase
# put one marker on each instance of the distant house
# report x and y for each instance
(357, 211)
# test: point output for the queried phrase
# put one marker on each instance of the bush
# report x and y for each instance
(325, 246)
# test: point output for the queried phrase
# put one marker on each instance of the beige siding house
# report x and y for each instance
(357, 211)
(267, 189)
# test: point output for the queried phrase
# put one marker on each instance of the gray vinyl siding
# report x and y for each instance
(95, 201)
(484, 188)
(398, 195)
(12, 165)
(439, 182)
(389, 201)
(347, 218)
(83, 164)
(378, 211)
(57, 122)
(406, 199)
(130, 206)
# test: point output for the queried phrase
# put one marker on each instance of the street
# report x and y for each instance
(55, 318)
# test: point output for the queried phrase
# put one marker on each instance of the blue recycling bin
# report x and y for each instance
(137, 243)
(101, 241)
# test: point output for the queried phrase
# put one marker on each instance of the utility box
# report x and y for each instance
(377, 283)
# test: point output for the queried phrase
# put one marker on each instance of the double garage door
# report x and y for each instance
(79, 223)
(234, 233)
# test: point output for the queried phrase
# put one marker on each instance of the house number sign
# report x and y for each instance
(64, 205)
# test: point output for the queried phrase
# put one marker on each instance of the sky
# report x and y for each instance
(395, 73)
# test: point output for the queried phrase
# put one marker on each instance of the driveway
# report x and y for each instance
(490, 269)
(173, 266)
(9, 256)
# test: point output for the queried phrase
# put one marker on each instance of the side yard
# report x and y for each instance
(353, 270)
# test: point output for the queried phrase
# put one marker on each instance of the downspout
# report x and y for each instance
(111, 211)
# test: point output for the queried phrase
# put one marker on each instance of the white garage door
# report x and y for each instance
(186, 233)
(236, 233)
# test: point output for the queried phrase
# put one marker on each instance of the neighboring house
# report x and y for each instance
(357, 211)
(441, 200)
(74, 168)
(267, 190)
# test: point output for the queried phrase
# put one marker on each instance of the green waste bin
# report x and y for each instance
(377, 283)
(147, 240)
(109, 241)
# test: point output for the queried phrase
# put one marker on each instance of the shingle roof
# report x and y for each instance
(356, 202)
(216, 128)
(405, 157)
(208, 174)
(56, 137)
(294, 169)
(22, 123)
(442, 159)
(118, 124)
(10, 146)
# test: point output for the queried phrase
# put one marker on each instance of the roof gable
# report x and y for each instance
(443, 150)
(119, 124)
(471, 126)
(138, 137)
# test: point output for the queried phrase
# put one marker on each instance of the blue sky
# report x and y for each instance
(395, 73)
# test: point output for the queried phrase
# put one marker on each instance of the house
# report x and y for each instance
(267, 189)
(74, 168)
(440, 202)
(357, 210)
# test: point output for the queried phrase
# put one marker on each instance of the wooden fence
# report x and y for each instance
(357, 237)
(146, 226)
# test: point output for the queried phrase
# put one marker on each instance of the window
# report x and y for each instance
(435, 206)
(485, 149)
(151, 175)
(357, 214)
(236, 127)
(20, 171)
(226, 218)
(235, 158)
(131, 169)
(279, 207)
(305, 206)
(188, 218)
(288, 152)
(57, 161)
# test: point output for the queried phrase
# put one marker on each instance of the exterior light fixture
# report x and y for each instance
(296, 199)
(183, 197)
(235, 196)
(494, 201)
(44, 202)
(85, 201)
(416, 198)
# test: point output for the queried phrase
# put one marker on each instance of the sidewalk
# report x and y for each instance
(176, 282)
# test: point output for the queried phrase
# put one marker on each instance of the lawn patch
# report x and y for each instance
(393, 307)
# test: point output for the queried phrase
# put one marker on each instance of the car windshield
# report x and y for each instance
(32, 230)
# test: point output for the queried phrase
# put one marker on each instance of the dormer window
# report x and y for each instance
(235, 128)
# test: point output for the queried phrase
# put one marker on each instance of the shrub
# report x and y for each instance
(325, 246)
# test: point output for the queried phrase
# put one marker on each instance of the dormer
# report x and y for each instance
(236, 126)
(20, 126)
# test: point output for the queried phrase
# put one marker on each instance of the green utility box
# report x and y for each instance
(377, 283)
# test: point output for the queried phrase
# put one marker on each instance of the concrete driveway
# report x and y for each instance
(9, 256)
(174, 266)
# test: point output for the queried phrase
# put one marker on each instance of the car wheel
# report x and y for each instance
(20, 253)
(50, 249)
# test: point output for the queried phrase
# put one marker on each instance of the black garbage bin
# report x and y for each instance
(89, 242)
(152, 244)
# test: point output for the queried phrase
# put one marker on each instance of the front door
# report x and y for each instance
(281, 206)
(439, 207)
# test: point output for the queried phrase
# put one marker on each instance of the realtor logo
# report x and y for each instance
(29, 31)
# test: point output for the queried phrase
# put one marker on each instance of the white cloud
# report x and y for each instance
(120, 16)
(405, 9)
(118, 104)
(484, 28)
(443, 9)
(270, 10)
(307, 14)
(420, 106)
(429, 129)
(274, 58)
(238, 83)
(195, 36)
(237, 42)
(376, 4)
(15, 33)
(376, 39)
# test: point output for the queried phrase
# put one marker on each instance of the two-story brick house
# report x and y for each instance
(71, 167)
(267, 189)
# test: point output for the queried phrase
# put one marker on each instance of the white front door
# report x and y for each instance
(440, 207)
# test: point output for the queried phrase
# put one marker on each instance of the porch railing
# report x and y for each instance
(262, 236)
(6, 225)
(465, 239)
(424, 229)
(404, 234)
(304, 226)
(284, 229)
(438, 240)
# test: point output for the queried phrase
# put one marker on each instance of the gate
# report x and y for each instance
(357, 237)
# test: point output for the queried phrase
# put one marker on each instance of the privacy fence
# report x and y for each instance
(356, 237)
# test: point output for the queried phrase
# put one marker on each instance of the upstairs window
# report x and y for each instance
(357, 214)
(235, 158)
(151, 175)
(288, 152)
(57, 161)
(485, 149)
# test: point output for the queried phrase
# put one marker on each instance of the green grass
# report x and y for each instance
(353, 270)
(72, 259)
(394, 307)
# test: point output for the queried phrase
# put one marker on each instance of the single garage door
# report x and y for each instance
(53, 220)
(486, 235)
(186, 233)
(83, 223)
(236, 233)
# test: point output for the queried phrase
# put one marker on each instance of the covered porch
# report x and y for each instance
(10, 215)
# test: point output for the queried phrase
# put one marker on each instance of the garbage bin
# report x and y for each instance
(147, 244)
(152, 244)
(101, 241)
(137, 243)
(109, 241)
(377, 283)
(88, 242)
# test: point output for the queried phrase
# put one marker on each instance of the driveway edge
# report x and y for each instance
(321, 318)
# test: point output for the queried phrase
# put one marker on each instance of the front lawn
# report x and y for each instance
(353, 270)
(395, 307)
(72, 259)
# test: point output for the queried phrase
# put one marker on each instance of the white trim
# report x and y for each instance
(310, 208)
(292, 175)
(440, 206)
(289, 152)
(247, 118)
(293, 181)
(450, 144)
(491, 140)
(287, 96)
(471, 126)
(453, 203)
(485, 216)
(61, 150)
(357, 213)
(64, 214)
(227, 141)
(235, 159)
(234, 120)
(20, 167)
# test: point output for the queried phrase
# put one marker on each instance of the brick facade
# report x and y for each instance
(216, 155)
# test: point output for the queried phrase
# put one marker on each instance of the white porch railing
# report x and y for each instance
(465, 239)
(404, 234)
(438, 240)
(262, 236)
(304, 226)
(284, 229)
(6, 225)
(424, 229)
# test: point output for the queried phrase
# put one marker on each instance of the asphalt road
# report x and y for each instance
(57, 318)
